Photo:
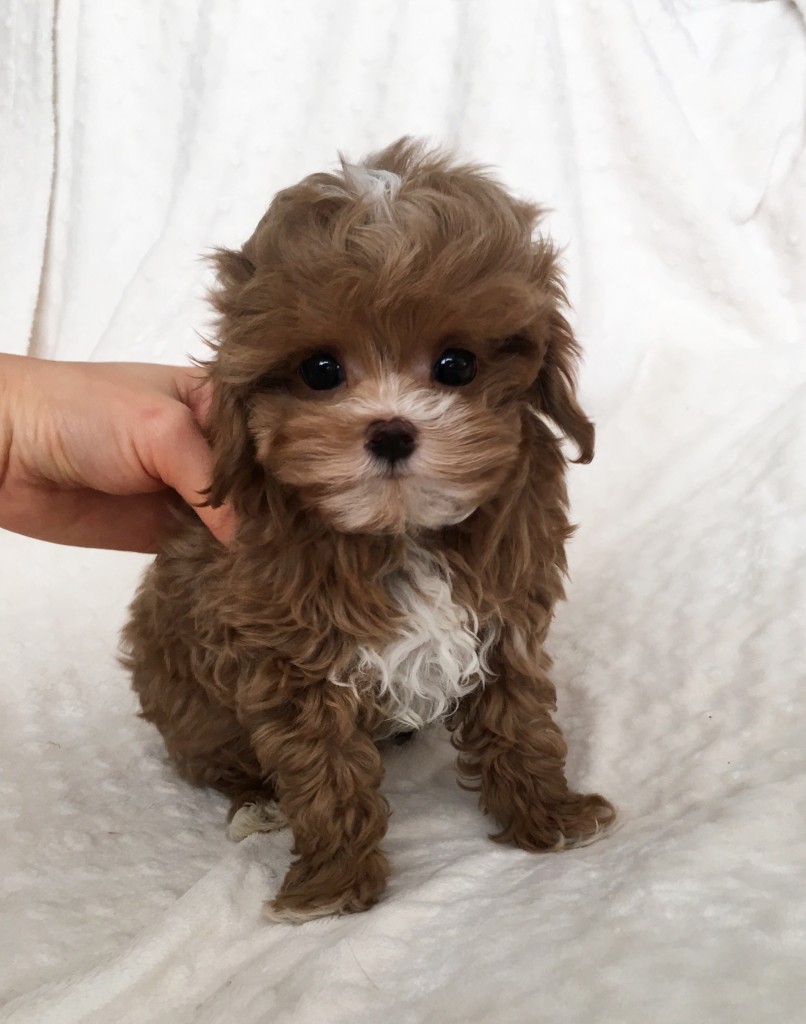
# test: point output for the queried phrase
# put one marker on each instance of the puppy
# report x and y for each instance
(392, 365)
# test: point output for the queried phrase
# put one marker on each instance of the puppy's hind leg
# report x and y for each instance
(253, 801)
(203, 736)
(254, 810)
(226, 762)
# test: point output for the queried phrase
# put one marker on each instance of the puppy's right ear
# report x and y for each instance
(236, 476)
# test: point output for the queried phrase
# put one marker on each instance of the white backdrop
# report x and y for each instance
(668, 138)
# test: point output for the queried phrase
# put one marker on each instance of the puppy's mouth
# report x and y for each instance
(378, 494)
(392, 470)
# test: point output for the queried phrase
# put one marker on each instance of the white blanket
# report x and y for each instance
(668, 137)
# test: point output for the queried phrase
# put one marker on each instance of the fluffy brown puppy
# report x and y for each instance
(392, 354)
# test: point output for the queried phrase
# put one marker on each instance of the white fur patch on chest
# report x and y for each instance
(437, 657)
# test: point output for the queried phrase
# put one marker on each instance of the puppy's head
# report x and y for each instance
(383, 334)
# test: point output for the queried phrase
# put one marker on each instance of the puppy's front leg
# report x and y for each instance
(327, 773)
(512, 751)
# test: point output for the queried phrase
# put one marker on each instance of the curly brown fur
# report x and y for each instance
(367, 594)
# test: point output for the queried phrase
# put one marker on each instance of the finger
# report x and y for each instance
(183, 459)
(194, 389)
(221, 521)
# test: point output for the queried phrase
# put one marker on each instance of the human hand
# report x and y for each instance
(95, 454)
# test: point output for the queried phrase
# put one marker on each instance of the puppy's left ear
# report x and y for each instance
(555, 387)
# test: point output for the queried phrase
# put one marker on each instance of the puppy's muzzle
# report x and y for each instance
(391, 440)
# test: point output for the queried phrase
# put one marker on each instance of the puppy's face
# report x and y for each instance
(383, 334)
(382, 441)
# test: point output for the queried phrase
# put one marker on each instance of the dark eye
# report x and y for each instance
(455, 367)
(321, 372)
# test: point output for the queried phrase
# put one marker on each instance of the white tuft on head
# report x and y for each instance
(372, 182)
(381, 188)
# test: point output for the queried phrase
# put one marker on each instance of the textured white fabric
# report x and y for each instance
(668, 138)
(26, 161)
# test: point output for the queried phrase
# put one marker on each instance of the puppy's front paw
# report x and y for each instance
(578, 820)
(343, 886)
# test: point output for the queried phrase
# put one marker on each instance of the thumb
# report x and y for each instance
(183, 460)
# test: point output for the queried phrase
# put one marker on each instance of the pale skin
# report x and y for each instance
(96, 454)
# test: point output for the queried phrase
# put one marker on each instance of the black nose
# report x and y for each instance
(391, 439)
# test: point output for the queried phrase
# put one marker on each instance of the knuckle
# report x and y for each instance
(165, 422)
